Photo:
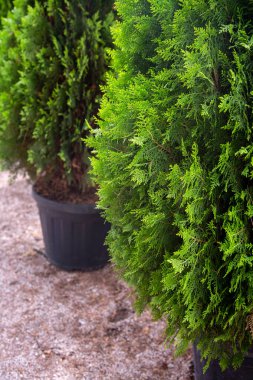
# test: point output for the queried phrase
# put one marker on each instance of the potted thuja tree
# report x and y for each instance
(174, 166)
(53, 60)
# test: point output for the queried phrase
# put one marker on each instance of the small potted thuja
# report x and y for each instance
(53, 58)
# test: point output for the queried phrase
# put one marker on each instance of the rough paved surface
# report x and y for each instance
(57, 325)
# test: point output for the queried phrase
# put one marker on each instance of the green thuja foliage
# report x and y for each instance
(12, 152)
(174, 164)
(53, 58)
(5, 7)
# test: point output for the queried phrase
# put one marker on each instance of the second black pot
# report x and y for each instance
(214, 372)
(74, 235)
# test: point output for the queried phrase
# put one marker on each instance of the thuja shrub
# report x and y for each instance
(53, 58)
(174, 164)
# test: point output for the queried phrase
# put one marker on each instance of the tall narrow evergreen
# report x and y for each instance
(52, 62)
(174, 165)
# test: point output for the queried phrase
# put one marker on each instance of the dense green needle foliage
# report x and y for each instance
(53, 58)
(174, 161)
(5, 6)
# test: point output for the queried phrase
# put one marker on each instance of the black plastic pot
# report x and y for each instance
(245, 372)
(73, 234)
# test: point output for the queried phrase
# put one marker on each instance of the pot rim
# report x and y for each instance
(70, 208)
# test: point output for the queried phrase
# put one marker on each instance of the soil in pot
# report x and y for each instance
(55, 187)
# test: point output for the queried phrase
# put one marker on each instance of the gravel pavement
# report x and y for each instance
(57, 325)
